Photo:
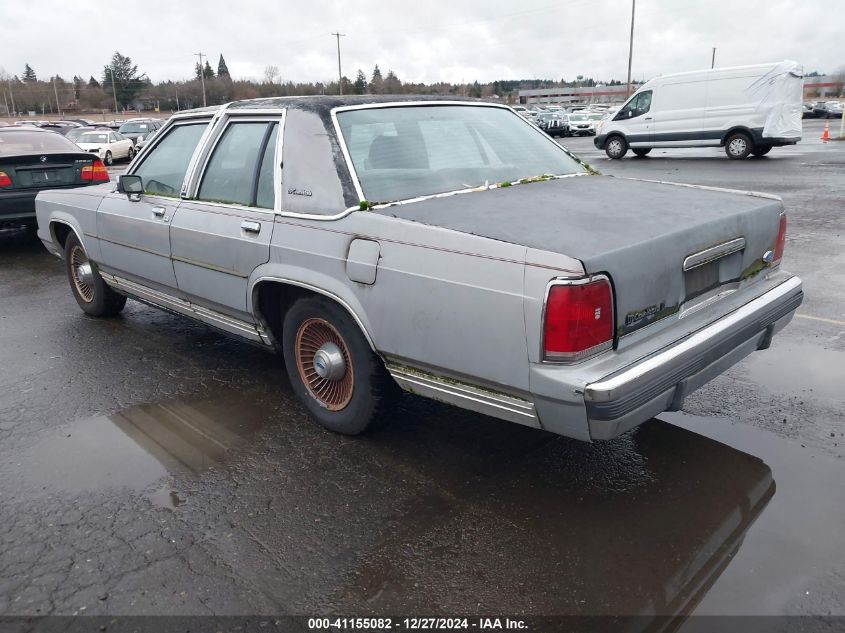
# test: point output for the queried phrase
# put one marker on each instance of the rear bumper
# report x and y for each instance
(660, 382)
(617, 391)
(17, 207)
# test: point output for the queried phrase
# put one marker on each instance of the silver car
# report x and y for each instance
(447, 247)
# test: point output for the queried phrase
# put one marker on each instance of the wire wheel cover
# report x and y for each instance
(334, 395)
(78, 265)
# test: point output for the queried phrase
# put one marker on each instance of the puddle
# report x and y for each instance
(792, 561)
(795, 368)
(135, 448)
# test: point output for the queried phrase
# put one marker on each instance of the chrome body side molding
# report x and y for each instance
(466, 396)
(250, 331)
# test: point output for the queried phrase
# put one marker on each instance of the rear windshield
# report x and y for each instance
(133, 128)
(410, 151)
(23, 142)
(91, 137)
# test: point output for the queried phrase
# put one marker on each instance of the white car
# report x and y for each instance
(107, 145)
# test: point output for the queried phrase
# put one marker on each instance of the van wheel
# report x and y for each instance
(738, 146)
(641, 151)
(616, 147)
(332, 369)
(761, 150)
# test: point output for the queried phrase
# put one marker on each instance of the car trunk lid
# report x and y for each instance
(41, 171)
(640, 233)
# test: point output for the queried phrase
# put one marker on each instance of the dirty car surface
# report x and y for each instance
(449, 247)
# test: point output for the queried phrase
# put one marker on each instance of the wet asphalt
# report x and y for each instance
(149, 465)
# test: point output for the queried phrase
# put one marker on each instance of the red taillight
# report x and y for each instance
(96, 172)
(5, 181)
(578, 320)
(781, 241)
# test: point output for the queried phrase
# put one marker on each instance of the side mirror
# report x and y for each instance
(130, 184)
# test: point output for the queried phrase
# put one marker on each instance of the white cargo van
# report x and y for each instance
(746, 110)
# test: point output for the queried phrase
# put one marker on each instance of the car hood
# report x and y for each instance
(90, 146)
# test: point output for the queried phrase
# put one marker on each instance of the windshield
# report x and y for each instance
(22, 142)
(91, 137)
(134, 128)
(596, 116)
(577, 117)
(410, 151)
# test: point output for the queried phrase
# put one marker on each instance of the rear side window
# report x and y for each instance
(163, 170)
(15, 142)
(241, 163)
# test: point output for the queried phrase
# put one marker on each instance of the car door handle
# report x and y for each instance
(251, 227)
(648, 118)
(158, 212)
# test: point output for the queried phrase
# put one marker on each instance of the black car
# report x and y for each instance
(553, 124)
(139, 130)
(34, 159)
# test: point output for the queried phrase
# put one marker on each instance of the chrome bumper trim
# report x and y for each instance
(480, 400)
(620, 393)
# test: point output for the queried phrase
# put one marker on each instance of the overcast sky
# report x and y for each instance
(455, 41)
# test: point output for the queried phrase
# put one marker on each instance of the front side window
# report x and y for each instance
(163, 169)
(407, 151)
(234, 173)
(637, 106)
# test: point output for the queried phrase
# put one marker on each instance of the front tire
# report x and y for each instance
(130, 154)
(108, 159)
(616, 147)
(641, 151)
(92, 294)
(738, 146)
(332, 369)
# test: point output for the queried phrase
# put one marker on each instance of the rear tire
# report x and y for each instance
(131, 154)
(738, 146)
(761, 150)
(615, 147)
(347, 396)
(92, 294)
(641, 151)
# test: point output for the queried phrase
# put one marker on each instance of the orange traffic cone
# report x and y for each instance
(826, 133)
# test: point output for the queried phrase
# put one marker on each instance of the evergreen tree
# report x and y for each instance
(222, 69)
(93, 83)
(392, 85)
(29, 74)
(123, 75)
(376, 83)
(360, 85)
(208, 71)
(475, 90)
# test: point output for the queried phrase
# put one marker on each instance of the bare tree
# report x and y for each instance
(270, 74)
(838, 81)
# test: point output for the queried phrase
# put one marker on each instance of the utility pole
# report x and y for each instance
(713, 60)
(12, 97)
(176, 88)
(339, 73)
(6, 102)
(56, 93)
(202, 78)
(630, 49)
(113, 89)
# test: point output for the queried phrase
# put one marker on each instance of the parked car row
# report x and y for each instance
(822, 110)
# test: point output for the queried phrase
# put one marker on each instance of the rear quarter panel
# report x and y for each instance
(76, 208)
(444, 301)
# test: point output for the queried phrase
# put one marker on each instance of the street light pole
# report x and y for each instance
(713, 60)
(630, 49)
(339, 73)
(202, 78)
(12, 97)
(56, 93)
